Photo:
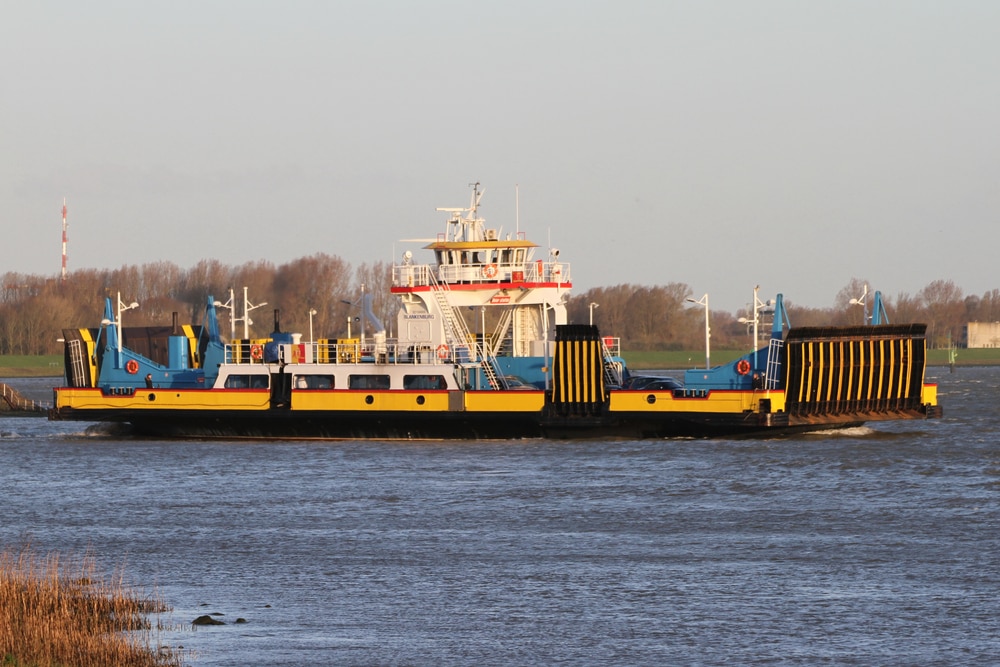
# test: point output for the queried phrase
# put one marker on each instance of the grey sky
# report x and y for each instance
(793, 145)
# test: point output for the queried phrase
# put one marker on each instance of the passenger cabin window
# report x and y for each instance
(368, 381)
(424, 382)
(246, 382)
(313, 382)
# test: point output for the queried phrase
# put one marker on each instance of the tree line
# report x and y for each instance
(641, 314)
(35, 309)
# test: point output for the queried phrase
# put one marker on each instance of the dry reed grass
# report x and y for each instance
(58, 612)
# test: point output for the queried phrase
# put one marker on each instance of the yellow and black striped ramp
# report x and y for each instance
(841, 370)
(578, 371)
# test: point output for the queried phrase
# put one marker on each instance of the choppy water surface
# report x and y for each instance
(876, 546)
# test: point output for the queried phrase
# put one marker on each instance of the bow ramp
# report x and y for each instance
(869, 371)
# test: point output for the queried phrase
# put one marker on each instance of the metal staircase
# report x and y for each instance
(612, 369)
(458, 336)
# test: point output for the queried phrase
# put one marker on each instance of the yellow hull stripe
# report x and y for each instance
(717, 402)
(165, 399)
(409, 401)
(371, 401)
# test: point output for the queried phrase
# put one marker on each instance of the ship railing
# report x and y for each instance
(411, 275)
(16, 401)
(612, 346)
(553, 272)
(351, 351)
(424, 275)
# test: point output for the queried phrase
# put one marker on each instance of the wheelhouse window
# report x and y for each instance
(424, 382)
(368, 381)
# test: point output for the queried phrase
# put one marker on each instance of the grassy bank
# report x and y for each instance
(30, 366)
(54, 612)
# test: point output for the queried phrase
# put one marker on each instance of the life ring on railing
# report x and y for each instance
(442, 351)
(132, 366)
(256, 352)
(743, 367)
(490, 271)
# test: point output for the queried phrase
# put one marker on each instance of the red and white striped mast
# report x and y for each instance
(64, 242)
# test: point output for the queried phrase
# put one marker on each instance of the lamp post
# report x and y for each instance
(863, 303)
(708, 333)
(592, 306)
(118, 321)
(312, 311)
(232, 319)
(349, 316)
(231, 307)
(757, 305)
(247, 307)
(361, 317)
(121, 309)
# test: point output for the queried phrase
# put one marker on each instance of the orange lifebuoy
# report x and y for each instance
(132, 366)
(490, 270)
(256, 352)
(743, 367)
(442, 351)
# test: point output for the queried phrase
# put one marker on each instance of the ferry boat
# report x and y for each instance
(445, 375)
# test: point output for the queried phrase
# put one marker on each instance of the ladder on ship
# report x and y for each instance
(521, 332)
(457, 336)
(773, 368)
(78, 376)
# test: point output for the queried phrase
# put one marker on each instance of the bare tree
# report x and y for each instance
(944, 308)
(209, 277)
(318, 282)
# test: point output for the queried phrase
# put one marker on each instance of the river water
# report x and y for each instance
(879, 545)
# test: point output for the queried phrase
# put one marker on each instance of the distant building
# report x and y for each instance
(982, 334)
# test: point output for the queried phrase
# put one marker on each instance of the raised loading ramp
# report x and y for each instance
(841, 370)
(578, 371)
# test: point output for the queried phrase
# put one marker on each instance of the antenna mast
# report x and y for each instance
(517, 210)
(64, 242)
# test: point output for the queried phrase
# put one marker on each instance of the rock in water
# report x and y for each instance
(207, 620)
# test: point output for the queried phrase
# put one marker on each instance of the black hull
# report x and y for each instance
(284, 424)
